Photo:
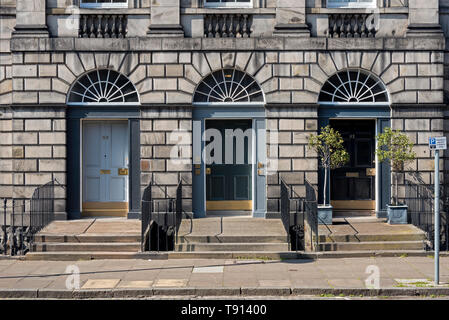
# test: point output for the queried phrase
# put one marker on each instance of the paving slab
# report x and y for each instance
(135, 284)
(214, 269)
(100, 284)
(165, 283)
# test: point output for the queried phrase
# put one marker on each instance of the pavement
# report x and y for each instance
(397, 276)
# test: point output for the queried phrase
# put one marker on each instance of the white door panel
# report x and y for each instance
(105, 151)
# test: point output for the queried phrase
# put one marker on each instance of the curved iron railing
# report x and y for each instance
(22, 219)
(161, 219)
(301, 223)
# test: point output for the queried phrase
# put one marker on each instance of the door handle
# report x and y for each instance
(208, 170)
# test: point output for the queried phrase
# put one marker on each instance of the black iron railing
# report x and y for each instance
(299, 217)
(420, 202)
(22, 219)
(161, 219)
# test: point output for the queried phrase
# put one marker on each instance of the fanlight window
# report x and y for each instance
(228, 86)
(353, 86)
(103, 87)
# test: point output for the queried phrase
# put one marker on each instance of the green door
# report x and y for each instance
(228, 178)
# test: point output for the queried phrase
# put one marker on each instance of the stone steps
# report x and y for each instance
(90, 238)
(86, 247)
(232, 247)
(372, 246)
(76, 256)
(187, 239)
(231, 234)
(371, 237)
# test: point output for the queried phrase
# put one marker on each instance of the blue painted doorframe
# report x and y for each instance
(74, 117)
(200, 115)
(382, 114)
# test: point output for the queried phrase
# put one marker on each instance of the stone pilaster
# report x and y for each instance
(165, 19)
(30, 19)
(291, 19)
(423, 18)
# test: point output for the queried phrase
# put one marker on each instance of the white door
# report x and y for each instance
(105, 163)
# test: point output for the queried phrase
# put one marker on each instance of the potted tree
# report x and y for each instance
(396, 147)
(332, 155)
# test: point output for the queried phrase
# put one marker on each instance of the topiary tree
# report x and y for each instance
(395, 146)
(331, 152)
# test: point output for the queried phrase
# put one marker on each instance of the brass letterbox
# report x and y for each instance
(122, 171)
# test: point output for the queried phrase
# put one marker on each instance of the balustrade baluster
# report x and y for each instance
(120, 26)
(224, 28)
(245, 26)
(342, 26)
(356, 26)
(349, 32)
(364, 34)
(217, 26)
(92, 27)
(210, 34)
(106, 26)
(83, 29)
(125, 26)
(100, 27)
(114, 27)
(231, 26)
(238, 33)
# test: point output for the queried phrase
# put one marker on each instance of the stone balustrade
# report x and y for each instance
(351, 26)
(103, 26)
(227, 25)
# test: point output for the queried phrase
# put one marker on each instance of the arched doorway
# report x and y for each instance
(356, 103)
(103, 146)
(229, 153)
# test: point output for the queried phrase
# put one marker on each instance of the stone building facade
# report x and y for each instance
(167, 49)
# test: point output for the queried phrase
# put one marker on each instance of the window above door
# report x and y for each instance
(106, 4)
(351, 3)
(228, 3)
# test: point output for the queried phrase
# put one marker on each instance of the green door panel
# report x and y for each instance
(230, 181)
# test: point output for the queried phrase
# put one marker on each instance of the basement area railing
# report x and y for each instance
(22, 219)
(161, 219)
(420, 202)
(300, 218)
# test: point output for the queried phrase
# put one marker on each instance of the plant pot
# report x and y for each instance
(397, 214)
(325, 215)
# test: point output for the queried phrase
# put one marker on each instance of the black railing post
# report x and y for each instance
(12, 241)
(5, 235)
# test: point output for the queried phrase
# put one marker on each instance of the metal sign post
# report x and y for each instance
(437, 144)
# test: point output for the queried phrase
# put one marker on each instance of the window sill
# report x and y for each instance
(400, 10)
(228, 10)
